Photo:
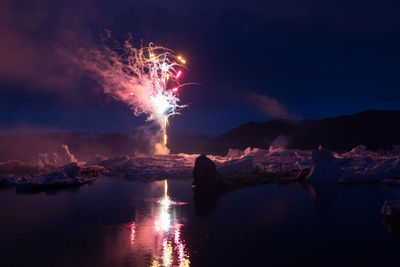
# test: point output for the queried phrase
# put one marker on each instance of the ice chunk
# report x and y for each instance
(234, 153)
(356, 166)
(69, 175)
(391, 208)
(61, 157)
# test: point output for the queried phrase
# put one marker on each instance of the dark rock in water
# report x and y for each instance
(205, 175)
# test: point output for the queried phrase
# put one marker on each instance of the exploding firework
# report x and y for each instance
(147, 79)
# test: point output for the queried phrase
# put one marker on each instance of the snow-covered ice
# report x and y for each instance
(355, 166)
(57, 169)
(181, 165)
(68, 175)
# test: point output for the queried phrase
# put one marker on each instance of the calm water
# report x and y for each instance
(115, 222)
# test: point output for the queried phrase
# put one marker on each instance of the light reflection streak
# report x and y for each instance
(163, 222)
(167, 253)
(154, 263)
(164, 237)
(183, 258)
(133, 231)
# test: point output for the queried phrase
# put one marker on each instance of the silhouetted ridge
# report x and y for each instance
(373, 128)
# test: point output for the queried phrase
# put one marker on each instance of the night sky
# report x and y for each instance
(253, 60)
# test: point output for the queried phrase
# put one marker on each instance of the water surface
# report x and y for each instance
(115, 222)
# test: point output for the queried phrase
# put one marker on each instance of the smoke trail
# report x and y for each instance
(146, 79)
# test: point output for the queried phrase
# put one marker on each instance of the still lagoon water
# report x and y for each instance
(115, 222)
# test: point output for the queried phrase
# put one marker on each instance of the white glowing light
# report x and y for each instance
(164, 67)
(163, 222)
(161, 104)
(165, 218)
(150, 72)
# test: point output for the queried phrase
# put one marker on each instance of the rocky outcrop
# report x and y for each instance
(205, 175)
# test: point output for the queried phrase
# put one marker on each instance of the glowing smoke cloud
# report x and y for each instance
(146, 79)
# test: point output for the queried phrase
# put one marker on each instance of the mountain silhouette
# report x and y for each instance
(373, 128)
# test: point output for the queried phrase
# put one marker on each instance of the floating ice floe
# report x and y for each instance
(391, 212)
(356, 166)
(58, 169)
(276, 163)
(155, 167)
(272, 160)
(69, 175)
(391, 208)
(237, 162)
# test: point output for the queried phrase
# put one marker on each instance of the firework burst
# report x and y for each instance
(147, 79)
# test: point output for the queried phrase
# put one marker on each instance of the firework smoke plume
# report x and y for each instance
(146, 79)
